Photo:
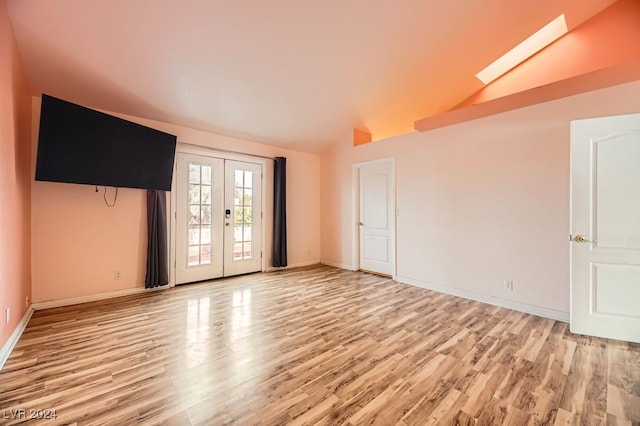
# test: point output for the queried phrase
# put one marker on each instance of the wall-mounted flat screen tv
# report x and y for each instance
(80, 145)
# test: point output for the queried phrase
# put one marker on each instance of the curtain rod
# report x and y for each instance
(228, 151)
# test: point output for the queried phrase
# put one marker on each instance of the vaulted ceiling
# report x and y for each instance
(295, 73)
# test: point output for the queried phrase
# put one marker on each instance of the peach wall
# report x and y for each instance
(609, 38)
(15, 109)
(78, 242)
(479, 202)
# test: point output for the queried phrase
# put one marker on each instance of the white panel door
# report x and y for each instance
(376, 192)
(605, 227)
(199, 217)
(243, 218)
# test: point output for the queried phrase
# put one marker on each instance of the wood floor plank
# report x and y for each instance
(314, 345)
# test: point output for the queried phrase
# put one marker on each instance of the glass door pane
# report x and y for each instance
(199, 209)
(242, 236)
(199, 217)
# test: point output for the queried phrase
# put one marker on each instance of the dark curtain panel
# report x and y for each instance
(280, 212)
(157, 264)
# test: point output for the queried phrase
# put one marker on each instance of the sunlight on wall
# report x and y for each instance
(529, 47)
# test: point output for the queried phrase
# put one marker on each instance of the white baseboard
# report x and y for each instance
(337, 265)
(293, 265)
(496, 301)
(7, 348)
(93, 297)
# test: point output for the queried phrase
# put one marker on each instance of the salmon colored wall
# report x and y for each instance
(479, 202)
(15, 110)
(595, 80)
(78, 242)
(609, 38)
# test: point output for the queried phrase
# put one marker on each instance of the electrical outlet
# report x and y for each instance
(117, 275)
(508, 285)
(7, 315)
(26, 302)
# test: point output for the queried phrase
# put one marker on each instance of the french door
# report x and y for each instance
(243, 218)
(218, 218)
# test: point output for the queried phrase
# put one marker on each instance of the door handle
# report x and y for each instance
(581, 239)
(226, 224)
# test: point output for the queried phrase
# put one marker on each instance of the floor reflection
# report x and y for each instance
(241, 324)
(246, 356)
(197, 331)
(220, 335)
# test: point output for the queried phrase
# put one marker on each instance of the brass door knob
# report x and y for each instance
(581, 239)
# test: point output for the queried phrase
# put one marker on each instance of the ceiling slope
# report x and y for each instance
(298, 74)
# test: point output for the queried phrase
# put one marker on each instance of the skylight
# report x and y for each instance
(529, 47)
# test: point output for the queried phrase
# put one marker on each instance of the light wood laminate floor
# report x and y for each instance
(313, 346)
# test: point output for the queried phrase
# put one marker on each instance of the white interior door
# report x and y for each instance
(377, 219)
(605, 227)
(199, 218)
(243, 218)
(218, 218)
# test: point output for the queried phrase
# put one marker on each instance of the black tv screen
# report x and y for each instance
(81, 145)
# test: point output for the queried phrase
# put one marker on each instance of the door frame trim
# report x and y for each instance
(355, 209)
(211, 153)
